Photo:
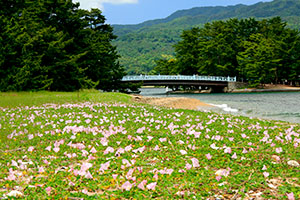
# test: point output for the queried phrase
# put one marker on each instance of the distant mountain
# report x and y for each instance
(141, 44)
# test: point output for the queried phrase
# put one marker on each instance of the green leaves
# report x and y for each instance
(255, 51)
(56, 46)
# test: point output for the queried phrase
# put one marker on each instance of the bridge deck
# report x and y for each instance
(163, 78)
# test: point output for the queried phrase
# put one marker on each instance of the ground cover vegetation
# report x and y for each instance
(54, 45)
(142, 44)
(257, 52)
(108, 147)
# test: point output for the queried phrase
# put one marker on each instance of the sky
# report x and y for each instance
(138, 11)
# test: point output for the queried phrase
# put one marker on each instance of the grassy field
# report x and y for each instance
(92, 145)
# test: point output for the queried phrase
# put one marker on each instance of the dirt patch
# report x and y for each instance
(172, 102)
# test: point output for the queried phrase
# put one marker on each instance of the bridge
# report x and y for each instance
(214, 83)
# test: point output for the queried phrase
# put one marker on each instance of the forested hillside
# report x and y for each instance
(142, 44)
(256, 51)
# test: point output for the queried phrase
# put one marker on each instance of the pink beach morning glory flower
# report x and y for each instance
(208, 156)
(127, 186)
(142, 184)
(290, 196)
(183, 152)
(266, 174)
(195, 162)
(151, 186)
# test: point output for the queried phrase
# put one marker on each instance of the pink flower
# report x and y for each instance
(88, 175)
(142, 185)
(128, 148)
(213, 146)
(48, 190)
(149, 138)
(48, 148)
(188, 166)
(156, 148)
(218, 178)
(245, 150)
(93, 150)
(30, 149)
(84, 191)
(169, 171)
(162, 139)
(71, 183)
(290, 196)
(115, 176)
(124, 161)
(140, 169)
(140, 130)
(30, 137)
(266, 174)
(195, 162)
(84, 153)
(85, 166)
(278, 150)
(41, 170)
(234, 156)
(56, 149)
(108, 150)
(127, 186)
(104, 141)
(273, 145)
(129, 173)
(11, 177)
(208, 156)
(183, 152)
(141, 149)
(151, 186)
(227, 150)
(264, 167)
(197, 134)
(14, 163)
(104, 166)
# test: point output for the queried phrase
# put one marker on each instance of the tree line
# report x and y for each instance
(258, 52)
(54, 45)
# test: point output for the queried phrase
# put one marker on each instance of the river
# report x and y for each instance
(284, 106)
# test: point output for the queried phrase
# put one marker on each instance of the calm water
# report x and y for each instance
(283, 106)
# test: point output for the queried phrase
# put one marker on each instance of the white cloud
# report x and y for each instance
(88, 4)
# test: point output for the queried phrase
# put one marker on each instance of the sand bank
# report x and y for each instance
(172, 102)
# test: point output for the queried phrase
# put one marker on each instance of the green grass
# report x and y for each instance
(13, 99)
(100, 142)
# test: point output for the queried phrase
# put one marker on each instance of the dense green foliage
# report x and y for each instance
(54, 45)
(263, 51)
(140, 45)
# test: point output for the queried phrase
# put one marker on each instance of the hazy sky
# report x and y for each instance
(137, 11)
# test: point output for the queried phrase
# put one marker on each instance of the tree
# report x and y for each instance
(261, 52)
(57, 46)
(260, 60)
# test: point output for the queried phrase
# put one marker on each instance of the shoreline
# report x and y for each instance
(172, 102)
(246, 90)
(267, 88)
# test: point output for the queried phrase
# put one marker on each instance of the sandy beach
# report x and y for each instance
(172, 102)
